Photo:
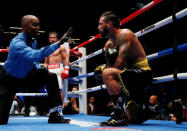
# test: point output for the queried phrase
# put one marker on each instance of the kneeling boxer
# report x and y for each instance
(126, 73)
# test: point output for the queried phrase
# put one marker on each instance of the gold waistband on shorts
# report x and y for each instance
(142, 64)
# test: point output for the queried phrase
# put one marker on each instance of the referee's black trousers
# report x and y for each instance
(36, 79)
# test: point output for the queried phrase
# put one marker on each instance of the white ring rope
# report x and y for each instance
(161, 79)
(87, 57)
(170, 78)
(161, 23)
(31, 94)
(156, 80)
(139, 33)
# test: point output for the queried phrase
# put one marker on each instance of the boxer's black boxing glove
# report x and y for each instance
(98, 71)
(111, 56)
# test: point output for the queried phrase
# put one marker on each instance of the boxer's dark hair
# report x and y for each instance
(110, 16)
(53, 32)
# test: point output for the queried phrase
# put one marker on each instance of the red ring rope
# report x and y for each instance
(3, 50)
(125, 20)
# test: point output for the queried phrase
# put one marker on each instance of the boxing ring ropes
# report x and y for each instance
(80, 64)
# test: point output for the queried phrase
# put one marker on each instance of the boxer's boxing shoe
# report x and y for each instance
(55, 117)
(118, 119)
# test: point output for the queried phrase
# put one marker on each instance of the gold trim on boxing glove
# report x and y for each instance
(128, 103)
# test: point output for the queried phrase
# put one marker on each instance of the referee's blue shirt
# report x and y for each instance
(23, 56)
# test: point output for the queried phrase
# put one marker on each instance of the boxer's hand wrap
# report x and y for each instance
(65, 73)
(66, 36)
(98, 71)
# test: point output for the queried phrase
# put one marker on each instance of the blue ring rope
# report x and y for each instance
(159, 54)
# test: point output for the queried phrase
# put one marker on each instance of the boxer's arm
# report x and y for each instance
(124, 45)
(65, 72)
(65, 56)
(107, 45)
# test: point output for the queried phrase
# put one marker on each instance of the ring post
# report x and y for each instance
(83, 85)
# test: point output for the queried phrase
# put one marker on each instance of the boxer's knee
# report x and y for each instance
(105, 73)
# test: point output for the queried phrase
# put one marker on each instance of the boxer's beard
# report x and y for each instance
(104, 33)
